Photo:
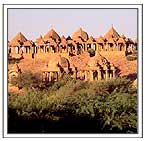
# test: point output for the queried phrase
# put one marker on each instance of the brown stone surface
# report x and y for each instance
(80, 33)
(28, 43)
(51, 34)
(90, 40)
(100, 40)
(118, 58)
(17, 39)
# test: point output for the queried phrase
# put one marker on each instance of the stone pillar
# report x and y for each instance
(99, 77)
(56, 76)
(86, 76)
(113, 72)
(46, 76)
(80, 73)
(85, 47)
(110, 74)
(76, 49)
(95, 47)
(112, 68)
(106, 74)
(51, 74)
(105, 68)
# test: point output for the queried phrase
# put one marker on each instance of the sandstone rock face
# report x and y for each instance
(14, 71)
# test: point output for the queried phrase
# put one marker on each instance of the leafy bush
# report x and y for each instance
(131, 58)
(73, 106)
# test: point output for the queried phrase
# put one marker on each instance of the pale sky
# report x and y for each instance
(35, 22)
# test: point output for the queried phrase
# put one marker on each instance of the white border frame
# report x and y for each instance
(140, 96)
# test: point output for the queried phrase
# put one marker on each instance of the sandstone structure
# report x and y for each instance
(79, 42)
(71, 54)
(89, 69)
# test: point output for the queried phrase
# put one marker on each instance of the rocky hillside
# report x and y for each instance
(117, 58)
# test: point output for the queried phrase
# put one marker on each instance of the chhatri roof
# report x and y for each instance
(100, 40)
(121, 40)
(63, 40)
(90, 40)
(80, 33)
(40, 41)
(79, 40)
(123, 36)
(63, 37)
(71, 42)
(85, 62)
(14, 44)
(17, 39)
(97, 60)
(51, 34)
(28, 43)
(52, 42)
(112, 33)
(111, 40)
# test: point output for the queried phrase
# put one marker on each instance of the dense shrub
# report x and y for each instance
(73, 106)
(91, 52)
(131, 58)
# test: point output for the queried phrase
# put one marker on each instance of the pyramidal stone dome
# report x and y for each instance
(18, 38)
(112, 33)
(51, 34)
(80, 33)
